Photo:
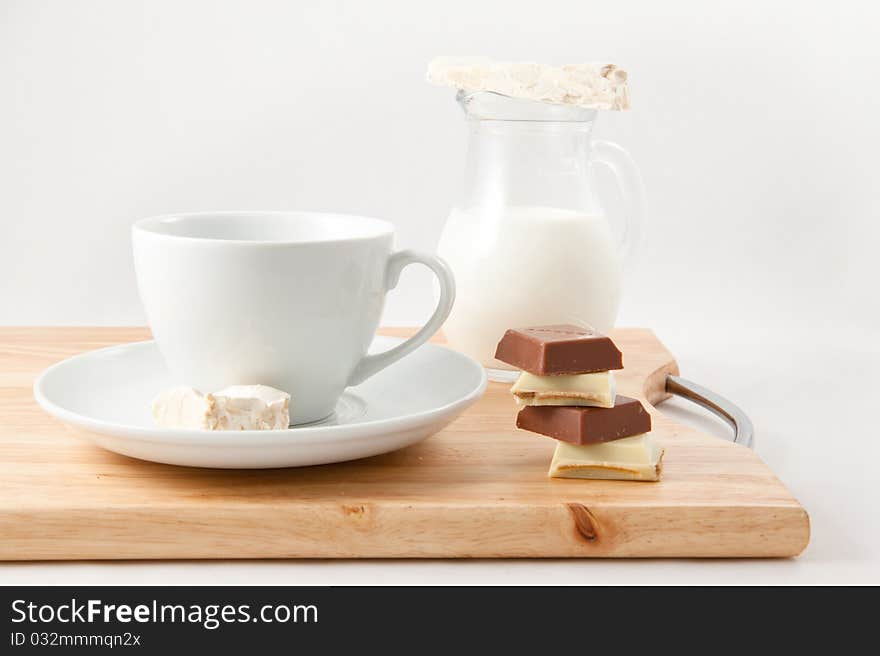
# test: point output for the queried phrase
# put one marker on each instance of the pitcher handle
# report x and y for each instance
(629, 182)
(372, 364)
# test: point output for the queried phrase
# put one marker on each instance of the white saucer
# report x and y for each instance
(105, 397)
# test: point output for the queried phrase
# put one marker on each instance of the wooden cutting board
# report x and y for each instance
(477, 489)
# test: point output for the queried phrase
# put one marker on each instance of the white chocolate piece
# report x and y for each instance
(595, 389)
(593, 85)
(239, 407)
(636, 458)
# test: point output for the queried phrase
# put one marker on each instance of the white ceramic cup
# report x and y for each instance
(287, 299)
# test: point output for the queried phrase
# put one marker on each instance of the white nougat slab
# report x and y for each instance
(596, 85)
(238, 407)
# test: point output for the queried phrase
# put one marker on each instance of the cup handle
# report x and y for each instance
(629, 181)
(372, 364)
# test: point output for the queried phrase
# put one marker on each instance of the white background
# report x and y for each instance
(755, 125)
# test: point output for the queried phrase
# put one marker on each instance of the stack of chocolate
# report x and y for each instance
(567, 392)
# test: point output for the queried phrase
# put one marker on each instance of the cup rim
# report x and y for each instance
(151, 225)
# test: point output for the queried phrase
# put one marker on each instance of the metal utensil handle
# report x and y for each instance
(743, 430)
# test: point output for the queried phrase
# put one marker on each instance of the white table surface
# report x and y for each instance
(812, 394)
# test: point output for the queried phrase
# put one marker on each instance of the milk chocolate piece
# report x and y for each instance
(587, 425)
(550, 350)
(636, 458)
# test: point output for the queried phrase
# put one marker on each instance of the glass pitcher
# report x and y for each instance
(528, 240)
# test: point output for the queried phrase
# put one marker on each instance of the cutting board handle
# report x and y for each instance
(743, 430)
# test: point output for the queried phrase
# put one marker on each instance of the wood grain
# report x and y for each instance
(477, 489)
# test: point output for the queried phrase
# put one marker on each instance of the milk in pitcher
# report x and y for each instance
(522, 266)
